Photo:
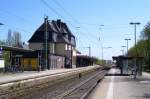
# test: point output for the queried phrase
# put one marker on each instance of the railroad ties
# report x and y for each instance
(73, 84)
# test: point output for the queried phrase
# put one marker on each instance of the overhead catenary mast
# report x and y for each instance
(46, 38)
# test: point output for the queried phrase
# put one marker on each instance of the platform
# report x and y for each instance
(33, 84)
(9, 77)
(12, 77)
(122, 87)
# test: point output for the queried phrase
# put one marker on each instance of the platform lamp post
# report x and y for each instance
(123, 53)
(103, 52)
(123, 50)
(101, 42)
(89, 53)
(77, 29)
(127, 39)
(89, 48)
(135, 24)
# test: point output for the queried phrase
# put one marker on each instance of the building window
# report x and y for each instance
(73, 40)
(54, 37)
(66, 46)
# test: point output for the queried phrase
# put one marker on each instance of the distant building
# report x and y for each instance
(84, 60)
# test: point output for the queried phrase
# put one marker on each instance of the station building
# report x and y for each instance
(52, 46)
(54, 43)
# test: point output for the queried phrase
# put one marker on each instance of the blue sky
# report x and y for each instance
(26, 16)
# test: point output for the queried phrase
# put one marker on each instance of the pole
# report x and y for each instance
(135, 65)
(101, 45)
(127, 44)
(90, 55)
(38, 61)
(102, 54)
(127, 67)
(135, 34)
(123, 53)
(71, 57)
(46, 43)
(100, 39)
(89, 51)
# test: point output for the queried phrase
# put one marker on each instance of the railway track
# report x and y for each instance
(73, 86)
(76, 88)
(81, 91)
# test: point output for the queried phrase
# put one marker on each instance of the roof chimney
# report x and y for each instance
(59, 23)
(45, 18)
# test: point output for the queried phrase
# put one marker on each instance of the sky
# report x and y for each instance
(89, 20)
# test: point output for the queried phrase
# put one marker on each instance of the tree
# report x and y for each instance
(13, 39)
(2, 42)
(9, 38)
(143, 47)
(98, 62)
(146, 37)
(16, 39)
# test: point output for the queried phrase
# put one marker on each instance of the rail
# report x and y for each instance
(85, 87)
(38, 84)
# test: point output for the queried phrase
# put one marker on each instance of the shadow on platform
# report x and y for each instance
(146, 95)
(117, 74)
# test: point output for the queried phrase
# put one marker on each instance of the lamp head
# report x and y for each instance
(127, 39)
(1, 24)
(137, 23)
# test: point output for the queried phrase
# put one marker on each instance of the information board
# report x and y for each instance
(2, 64)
